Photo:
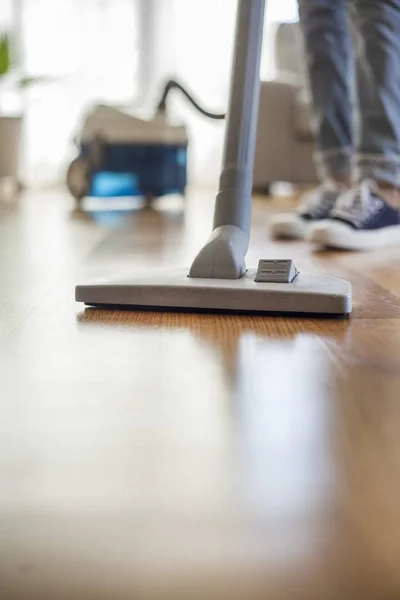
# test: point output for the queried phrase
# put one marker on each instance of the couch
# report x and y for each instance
(285, 142)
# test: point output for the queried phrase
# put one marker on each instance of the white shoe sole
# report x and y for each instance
(334, 234)
(289, 227)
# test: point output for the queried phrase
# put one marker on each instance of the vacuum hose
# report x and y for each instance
(172, 84)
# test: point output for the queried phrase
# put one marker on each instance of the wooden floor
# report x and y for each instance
(149, 455)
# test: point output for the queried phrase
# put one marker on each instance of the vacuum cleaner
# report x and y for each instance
(218, 278)
(121, 154)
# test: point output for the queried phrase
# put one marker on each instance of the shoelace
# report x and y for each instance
(320, 201)
(359, 204)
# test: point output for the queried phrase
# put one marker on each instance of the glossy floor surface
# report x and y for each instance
(164, 455)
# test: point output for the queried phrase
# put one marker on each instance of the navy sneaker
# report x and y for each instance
(360, 220)
(314, 206)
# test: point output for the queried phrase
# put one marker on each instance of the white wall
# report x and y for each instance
(92, 48)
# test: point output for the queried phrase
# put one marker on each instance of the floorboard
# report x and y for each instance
(167, 455)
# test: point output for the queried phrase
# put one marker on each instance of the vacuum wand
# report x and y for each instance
(223, 256)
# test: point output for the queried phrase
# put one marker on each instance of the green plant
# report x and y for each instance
(5, 53)
(7, 64)
(13, 80)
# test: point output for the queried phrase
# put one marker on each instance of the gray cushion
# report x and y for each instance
(290, 66)
(302, 116)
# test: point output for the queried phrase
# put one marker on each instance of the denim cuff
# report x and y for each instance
(334, 161)
(385, 169)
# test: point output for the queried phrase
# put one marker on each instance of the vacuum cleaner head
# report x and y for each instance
(173, 289)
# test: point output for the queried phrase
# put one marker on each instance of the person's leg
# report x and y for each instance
(329, 65)
(368, 216)
(324, 24)
(377, 25)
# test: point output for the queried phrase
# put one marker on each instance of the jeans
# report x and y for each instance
(353, 62)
